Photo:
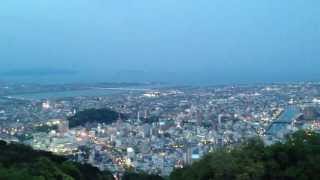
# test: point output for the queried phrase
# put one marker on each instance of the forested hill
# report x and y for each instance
(20, 162)
(106, 116)
(297, 158)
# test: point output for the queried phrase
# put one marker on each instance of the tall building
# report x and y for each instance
(130, 153)
(138, 116)
(188, 155)
(119, 122)
(63, 127)
(46, 105)
(145, 114)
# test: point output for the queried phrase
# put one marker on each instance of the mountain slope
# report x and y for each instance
(297, 158)
(22, 162)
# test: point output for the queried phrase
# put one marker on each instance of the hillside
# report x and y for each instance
(297, 158)
(106, 116)
(22, 162)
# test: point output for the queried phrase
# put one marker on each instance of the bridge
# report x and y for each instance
(286, 119)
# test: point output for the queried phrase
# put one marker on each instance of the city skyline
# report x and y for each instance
(159, 90)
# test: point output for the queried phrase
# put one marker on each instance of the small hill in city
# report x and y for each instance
(106, 116)
(22, 162)
(297, 158)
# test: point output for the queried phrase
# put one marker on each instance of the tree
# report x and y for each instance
(297, 158)
(140, 176)
(22, 162)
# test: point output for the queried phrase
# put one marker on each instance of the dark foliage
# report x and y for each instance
(150, 120)
(297, 158)
(106, 116)
(45, 128)
(140, 176)
(22, 162)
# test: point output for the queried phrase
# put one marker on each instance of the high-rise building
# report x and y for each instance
(138, 116)
(63, 127)
(130, 153)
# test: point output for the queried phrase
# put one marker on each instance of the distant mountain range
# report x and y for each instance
(37, 72)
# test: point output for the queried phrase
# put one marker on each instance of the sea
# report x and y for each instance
(67, 94)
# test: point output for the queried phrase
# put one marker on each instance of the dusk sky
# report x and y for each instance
(176, 41)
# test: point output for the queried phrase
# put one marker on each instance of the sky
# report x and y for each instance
(173, 41)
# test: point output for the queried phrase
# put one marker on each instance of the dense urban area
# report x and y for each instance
(152, 128)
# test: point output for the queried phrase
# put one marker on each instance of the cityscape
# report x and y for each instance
(159, 90)
(157, 128)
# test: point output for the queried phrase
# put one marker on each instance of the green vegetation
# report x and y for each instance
(45, 128)
(140, 176)
(297, 158)
(106, 116)
(22, 162)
